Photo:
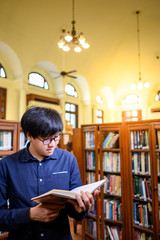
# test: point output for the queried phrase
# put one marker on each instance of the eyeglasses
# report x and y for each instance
(49, 140)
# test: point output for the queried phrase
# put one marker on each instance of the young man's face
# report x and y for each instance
(43, 147)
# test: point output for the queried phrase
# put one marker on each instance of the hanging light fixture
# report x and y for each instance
(140, 84)
(70, 37)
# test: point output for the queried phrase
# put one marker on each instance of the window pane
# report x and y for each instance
(73, 120)
(37, 80)
(46, 85)
(73, 108)
(67, 107)
(70, 90)
(67, 116)
(2, 72)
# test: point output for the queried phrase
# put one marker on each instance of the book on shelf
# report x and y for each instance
(50, 197)
(110, 140)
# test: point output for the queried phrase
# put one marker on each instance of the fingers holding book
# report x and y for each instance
(84, 201)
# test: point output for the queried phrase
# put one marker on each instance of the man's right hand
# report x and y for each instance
(45, 212)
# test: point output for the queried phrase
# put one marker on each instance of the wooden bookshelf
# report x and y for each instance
(111, 167)
(138, 151)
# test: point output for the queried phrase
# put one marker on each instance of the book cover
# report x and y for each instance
(51, 196)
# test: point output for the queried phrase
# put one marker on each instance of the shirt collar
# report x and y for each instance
(28, 156)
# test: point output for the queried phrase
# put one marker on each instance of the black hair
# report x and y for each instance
(41, 121)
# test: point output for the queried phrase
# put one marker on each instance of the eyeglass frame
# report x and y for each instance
(51, 139)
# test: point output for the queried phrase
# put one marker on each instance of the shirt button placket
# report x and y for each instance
(40, 177)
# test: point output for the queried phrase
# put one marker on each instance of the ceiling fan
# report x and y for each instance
(66, 74)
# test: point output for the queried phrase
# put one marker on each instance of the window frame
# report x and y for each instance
(45, 81)
(75, 91)
(126, 119)
(72, 113)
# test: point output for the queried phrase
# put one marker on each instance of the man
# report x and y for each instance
(36, 169)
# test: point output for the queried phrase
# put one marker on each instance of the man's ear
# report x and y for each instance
(29, 136)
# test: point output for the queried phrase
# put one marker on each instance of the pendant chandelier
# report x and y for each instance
(70, 39)
(139, 84)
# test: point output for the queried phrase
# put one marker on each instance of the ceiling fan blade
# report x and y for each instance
(71, 76)
(72, 71)
(57, 77)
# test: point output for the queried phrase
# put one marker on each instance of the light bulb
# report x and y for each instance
(66, 48)
(68, 37)
(61, 42)
(85, 45)
(140, 85)
(77, 49)
(81, 39)
(147, 84)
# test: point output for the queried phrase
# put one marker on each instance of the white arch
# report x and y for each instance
(82, 84)
(10, 62)
(53, 72)
(108, 97)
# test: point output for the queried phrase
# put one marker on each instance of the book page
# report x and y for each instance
(89, 187)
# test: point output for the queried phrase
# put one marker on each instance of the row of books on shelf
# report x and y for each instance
(139, 139)
(142, 236)
(143, 214)
(90, 177)
(142, 188)
(141, 163)
(93, 209)
(90, 160)
(89, 140)
(113, 209)
(6, 140)
(158, 163)
(111, 162)
(112, 233)
(113, 185)
(92, 227)
(111, 140)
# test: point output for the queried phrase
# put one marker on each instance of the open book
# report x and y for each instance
(51, 196)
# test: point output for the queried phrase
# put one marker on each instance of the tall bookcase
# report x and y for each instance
(156, 160)
(128, 154)
(9, 139)
(111, 167)
(140, 178)
(91, 174)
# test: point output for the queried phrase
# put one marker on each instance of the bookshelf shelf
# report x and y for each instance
(142, 229)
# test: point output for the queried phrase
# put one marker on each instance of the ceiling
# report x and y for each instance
(32, 29)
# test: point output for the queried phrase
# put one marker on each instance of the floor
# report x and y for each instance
(78, 234)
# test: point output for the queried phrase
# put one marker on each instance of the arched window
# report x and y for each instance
(70, 90)
(99, 99)
(131, 99)
(2, 72)
(38, 80)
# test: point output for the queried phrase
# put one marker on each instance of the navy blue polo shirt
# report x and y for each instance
(23, 177)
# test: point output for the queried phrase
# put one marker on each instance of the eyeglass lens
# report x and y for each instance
(56, 138)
